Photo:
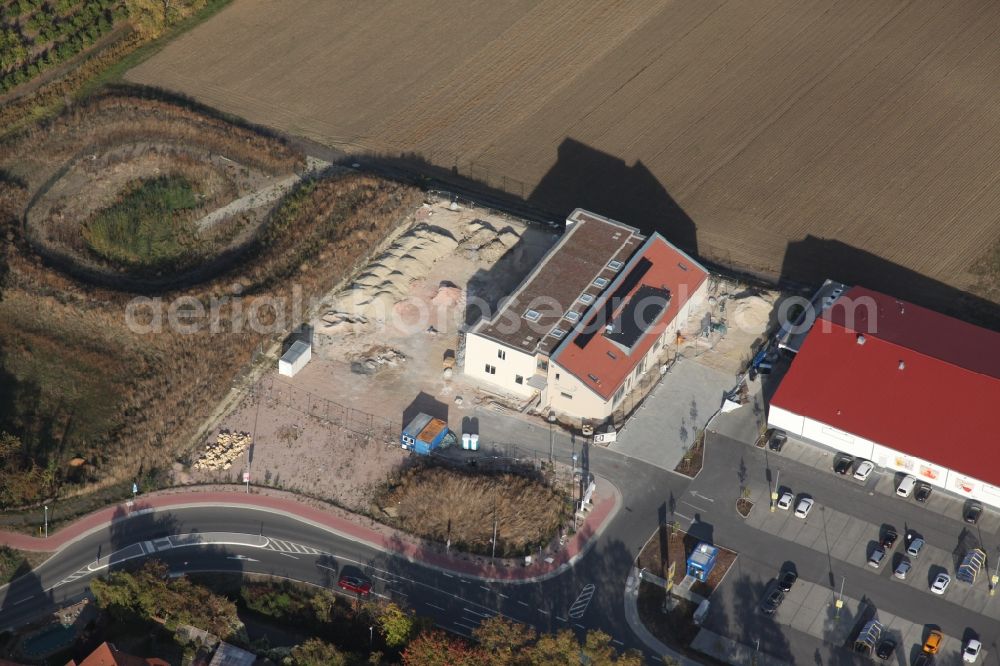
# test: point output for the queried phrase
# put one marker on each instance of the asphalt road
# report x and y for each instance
(303, 552)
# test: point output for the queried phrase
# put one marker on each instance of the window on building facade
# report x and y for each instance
(566, 395)
(491, 369)
(501, 354)
(518, 379)
(619, 394)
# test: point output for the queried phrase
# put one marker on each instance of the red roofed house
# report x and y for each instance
(108, 655)
(905, 387)
(589, 320)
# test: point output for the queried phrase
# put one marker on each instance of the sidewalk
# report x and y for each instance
(639, 629)
(349, 526)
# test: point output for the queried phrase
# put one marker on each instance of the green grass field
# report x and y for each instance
(143, 230)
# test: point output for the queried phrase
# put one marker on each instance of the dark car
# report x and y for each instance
(973, 510)
(777, 440)
(771, 601)
(885, 648)
(924, 659)
(354, 584)
(922, 492)
(876, 558)
(842, 465)
(787, 579)
(889, 538)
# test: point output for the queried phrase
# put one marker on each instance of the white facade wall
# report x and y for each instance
(883, 456)
(507, 364)
(569, 396)
(296, 358)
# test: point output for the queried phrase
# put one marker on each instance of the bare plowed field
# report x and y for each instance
(754, 133)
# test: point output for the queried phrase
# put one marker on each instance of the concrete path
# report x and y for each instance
(663, 428)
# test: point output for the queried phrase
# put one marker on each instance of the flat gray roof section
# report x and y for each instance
(789, 337)
(571, 268)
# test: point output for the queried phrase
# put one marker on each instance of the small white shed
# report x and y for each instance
(295, 358)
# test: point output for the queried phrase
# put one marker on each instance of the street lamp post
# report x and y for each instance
(774, 493)
(995, 578)
(46, 521)
(840, 601)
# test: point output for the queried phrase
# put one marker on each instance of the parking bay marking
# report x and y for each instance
(579, 606)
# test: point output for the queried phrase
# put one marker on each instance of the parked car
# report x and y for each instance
(913, 550)
(924, 659)
(940, 584)
(787, 579)
(354, 584)
(905, 486)
(933, 642)
(786, 501)
(777, 440)
(902, 569)
(889, 536)
(842, 464)
(769, 604)
(973, 510)
(972, 649)
(885, 649)
(803, 508)
(864, 470)
(875, 559)
(923, 492)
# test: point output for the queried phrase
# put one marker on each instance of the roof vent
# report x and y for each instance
(861, 339)
(558, 333)
(586, 299)
(902, 365)
(594, 378)
(612, 355)
(609, 328)
(532, 315)
(615, 265)
(601, 282)
(681, 265)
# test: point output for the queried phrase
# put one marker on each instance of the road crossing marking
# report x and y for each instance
(434, 606)
(579, 606)
(283, 546)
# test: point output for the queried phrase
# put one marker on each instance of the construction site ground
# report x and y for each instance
(388, 347)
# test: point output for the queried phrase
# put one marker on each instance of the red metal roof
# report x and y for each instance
(921, 383)
(664, 267)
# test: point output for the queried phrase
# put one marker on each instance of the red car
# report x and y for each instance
(356, 585)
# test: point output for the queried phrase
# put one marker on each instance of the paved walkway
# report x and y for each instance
(348, 526)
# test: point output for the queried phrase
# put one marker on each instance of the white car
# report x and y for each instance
(971, 651)
(785, 503)
(864, 470)
(940, 583)
(803, 508)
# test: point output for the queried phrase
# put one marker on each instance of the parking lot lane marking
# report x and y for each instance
(695, 493)
(464, 626)
(502, 595)
(543, 611)
(434, 606)
(696, 508)
(616, 641)
(579, 625)
(561, 619)
(523, 603)
(483, 587)
(678, 513)
(447, 575)
(287, 555)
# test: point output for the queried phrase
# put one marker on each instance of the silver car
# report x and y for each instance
(902, 569)
(913, 550)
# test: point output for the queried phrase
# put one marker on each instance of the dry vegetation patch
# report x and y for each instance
(446, 504)
(75, 379)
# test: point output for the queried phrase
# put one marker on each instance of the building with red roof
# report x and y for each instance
(589, 320)
(908, 388)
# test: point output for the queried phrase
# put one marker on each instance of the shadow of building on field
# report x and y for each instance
(811, 260)
(584, 177)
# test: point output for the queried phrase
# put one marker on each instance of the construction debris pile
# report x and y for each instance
(228, 447)
(377, 358)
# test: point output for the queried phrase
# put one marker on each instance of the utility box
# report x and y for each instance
(701, 562)
(425, 433)
(295, 358)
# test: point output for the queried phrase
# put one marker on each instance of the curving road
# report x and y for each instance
(587, 595)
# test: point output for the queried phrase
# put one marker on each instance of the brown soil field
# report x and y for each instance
(788, 139)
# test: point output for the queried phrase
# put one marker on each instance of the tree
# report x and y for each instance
(504, 640)
(436, 648)
(315, 652)
(322, 605)
(395, 624)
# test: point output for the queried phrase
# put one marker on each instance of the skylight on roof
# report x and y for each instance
(601, 282)
(532, 315)
(587, 299)
(615, 265)
(573, 316)
(558, 333)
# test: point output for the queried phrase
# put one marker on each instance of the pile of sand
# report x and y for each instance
(484, 242)
(448, 296)
(751, 314)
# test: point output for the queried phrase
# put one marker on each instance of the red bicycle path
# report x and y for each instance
(378, 536)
